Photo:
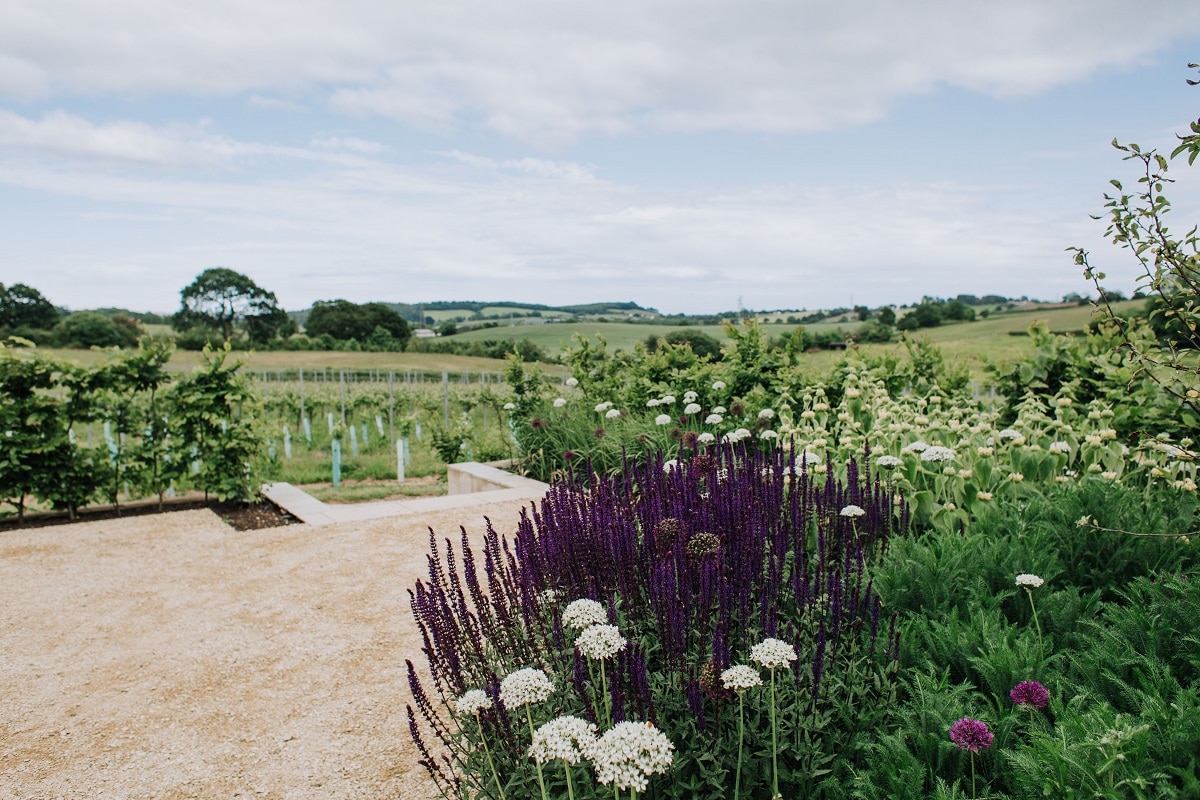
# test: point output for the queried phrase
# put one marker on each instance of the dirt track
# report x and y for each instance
(172, 657)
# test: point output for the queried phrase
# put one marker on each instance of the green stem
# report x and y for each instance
(570, 787)
(737, 785)
(538, 764)
(1035, 617)
(774, 744)
(604, 691)
(972, 775)
(487, 752)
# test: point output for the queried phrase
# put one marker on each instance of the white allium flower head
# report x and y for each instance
(579, 614)
(652, 402)
(1060, 447)
(690, 397)
(888, 461)
(768, 435)
(525, 686)
(607, 404)
(691, 408)
(667, 399)
(706, 438)
(670, 464)
(572, 382)
(852, 511)
(718, 386)
(509, 406)
(569, 738)
(612, 413)
(1026, 579)
(937, 453)
(740, 678)
(629, 753)
(600, 641)
(773, 653)
(718, 409)
(662, 419)
(1009, 433)
(473, 701)
(809, 458)
(766, 413)
(915, 447)
(559, 402)
(713, 419)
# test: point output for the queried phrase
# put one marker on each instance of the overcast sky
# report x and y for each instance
(683, 155)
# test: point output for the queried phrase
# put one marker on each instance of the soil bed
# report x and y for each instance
(239, 516)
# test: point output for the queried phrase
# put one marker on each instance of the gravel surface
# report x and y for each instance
(173, 657)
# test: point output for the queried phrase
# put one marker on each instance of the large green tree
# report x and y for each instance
(230, 302)
(344, 320)
(23, 306)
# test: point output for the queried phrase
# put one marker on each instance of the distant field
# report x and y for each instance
(436, 362)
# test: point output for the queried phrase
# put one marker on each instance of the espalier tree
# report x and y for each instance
(1170, 274)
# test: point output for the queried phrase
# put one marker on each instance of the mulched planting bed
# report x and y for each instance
(239, 516)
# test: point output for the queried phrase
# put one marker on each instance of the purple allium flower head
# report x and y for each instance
(535, 423)
(598, 433)
(971, 734)
(568, 455)
(1031, 694)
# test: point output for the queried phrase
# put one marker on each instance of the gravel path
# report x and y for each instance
(172, 657)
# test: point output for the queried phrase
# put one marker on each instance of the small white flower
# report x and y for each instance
(773, 653)
(525, 686)
(718, 386)
(936, 453)
(985, 496)
(1108, 433)
(612, 413)
(473, 701)
(713, 419)
(600, 641)
(569, 738)
(580, 614)
(718, 409)
(807, 414)
(768, 435)
(559, 402)
(852, 392)
(1032, 581)
(572, 382)
(852, 511)
(984, 451)
(1108, 475)
(670, 464)
(950, 507)
(1060, 447)
(1016, 477)
(1063, 402)
(1093, 439)
(820, 406)
(706, 438)
(740, 678)
(766, 413)
(652, 403)
(809, 458)
(601, 407)
(509, 406)
(690, 397)
(1009, 433)
(915, 447)
(888, 461)
(662, 419)
(691, 408)
(628, 753)
(668, 399)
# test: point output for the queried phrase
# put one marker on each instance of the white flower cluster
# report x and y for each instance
(612, 413)
(667, 399)
(569, 738)
(1060, 447)
(768, 434)
(473, 701)
(713, 419)
(691, 408)
(559, 402)
(652, 403)
(740, 678)
(736, 435)
(766, 413)
(572, 382)
(580, 614)
(1014, 436)
(718, 386)
(773, 653)
(629, 753)
(888, 461)
(670, 464)
(509, 406)
(690, 397)
(602, 407)
(718, 409)
(937, 453)
(525, 686)
(852, 511)
(1026, 579)
(662, 419)
(915, 447)
(706, 438)
(600, 641)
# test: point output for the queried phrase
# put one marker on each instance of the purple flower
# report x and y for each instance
(971, 734)
(569, 455)
(1030, 694)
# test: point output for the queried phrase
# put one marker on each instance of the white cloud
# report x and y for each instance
(551, 71)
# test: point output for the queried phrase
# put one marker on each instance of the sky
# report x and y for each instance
(692, 156)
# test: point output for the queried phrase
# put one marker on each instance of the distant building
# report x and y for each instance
(424, 333)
